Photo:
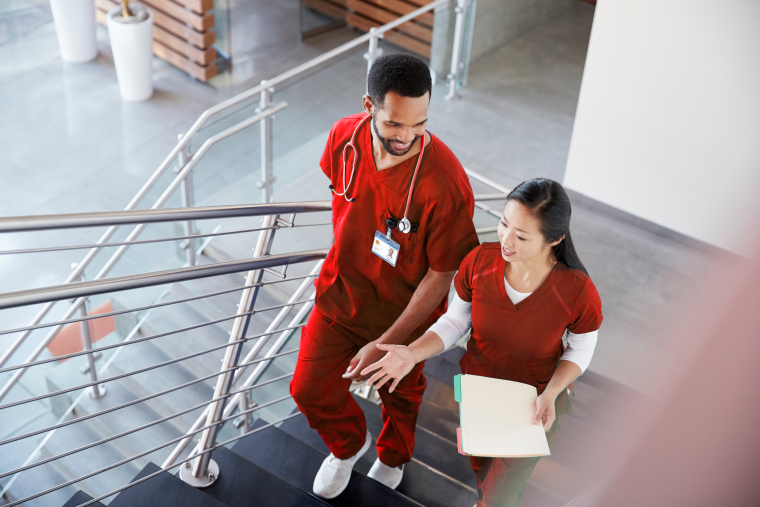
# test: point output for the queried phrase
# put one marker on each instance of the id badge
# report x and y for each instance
(385, 248)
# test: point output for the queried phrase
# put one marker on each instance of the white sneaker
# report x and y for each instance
(384, 474)
(334, 474)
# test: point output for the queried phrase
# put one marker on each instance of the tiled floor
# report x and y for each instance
(68, 143)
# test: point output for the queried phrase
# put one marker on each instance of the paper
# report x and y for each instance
(496, 418)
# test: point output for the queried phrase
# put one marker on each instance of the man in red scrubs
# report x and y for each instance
(402, 220)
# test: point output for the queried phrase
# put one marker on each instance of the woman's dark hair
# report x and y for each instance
(549, 202)
(404, 74)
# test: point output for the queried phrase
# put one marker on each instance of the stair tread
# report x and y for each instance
(79, 498)
(423, 482)
(163, 490)
(297, 463)
(240, 481)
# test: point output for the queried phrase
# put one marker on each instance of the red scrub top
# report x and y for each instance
(522, 343)
(356, 288)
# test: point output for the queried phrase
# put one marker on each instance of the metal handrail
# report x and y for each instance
(155, 215)
(138, 281)
(150, 241)
(137, 309)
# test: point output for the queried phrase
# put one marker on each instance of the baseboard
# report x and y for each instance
(624, 216)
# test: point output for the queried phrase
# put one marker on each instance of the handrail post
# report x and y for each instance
(267, 177)
(204, 471)
(374, 49)
(188, 202)
(97, 391)
(456, 53)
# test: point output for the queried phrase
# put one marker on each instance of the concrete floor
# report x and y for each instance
(68, 143)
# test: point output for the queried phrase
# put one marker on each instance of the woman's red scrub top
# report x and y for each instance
(356, 288)
(522, 343)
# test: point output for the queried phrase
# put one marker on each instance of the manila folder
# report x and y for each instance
(496, 418)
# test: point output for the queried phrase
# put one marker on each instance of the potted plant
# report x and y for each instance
(75, 27)
(130, 29)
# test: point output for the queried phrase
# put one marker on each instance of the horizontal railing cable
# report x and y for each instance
(138, 281)
(142, 308)
(159, 472)
(143, 339)
(147, 425)
(118, 345)
(129, 243)
(132, 402)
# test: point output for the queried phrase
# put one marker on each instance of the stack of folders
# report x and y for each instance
(495, 418)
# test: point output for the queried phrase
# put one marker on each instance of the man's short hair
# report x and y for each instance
(401, 73)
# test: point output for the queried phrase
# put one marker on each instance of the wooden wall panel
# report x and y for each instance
(174, 41)
(416, 35)
(400, 39)
(198, 39)
(198, 6)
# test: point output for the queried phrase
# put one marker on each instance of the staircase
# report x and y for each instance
(275, 466)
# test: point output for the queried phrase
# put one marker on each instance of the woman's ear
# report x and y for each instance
(554, 243)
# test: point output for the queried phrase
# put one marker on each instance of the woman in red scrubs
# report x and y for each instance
(520, 296)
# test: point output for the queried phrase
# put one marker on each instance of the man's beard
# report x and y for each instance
(387, 145)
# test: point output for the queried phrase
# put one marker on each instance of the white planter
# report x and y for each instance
(132, 46)
(75, 27)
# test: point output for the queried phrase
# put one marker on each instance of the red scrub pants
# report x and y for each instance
(321, 393)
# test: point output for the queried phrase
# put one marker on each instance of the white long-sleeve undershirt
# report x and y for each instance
(458, 319)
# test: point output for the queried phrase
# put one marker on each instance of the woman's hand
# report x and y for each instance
(398, 361)
(545, 412)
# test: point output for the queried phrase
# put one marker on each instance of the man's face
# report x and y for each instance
(400, 122)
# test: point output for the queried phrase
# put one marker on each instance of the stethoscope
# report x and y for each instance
(404, 225)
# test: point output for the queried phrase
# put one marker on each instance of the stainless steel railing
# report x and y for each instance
(224, 395)
(227, 402)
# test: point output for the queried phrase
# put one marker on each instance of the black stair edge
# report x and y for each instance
(162, 490)
(241, 481)
(441, 369)
(297, 463)
(79, 498)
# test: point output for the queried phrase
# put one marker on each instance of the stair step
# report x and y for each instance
(441, 369)
(146, 354)
(35, 480)
(126, 419)
(163, 490)
(79, 498)
(89, 460)
(430, 450)
(441, 394)
(241, 481)
(423, 483)
(296, 462)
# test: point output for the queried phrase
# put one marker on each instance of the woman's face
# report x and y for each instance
(520, 235)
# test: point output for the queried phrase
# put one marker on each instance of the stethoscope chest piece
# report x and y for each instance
(404, 225)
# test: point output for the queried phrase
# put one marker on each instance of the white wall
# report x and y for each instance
(668, 120)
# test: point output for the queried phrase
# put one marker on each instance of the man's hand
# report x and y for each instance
(367, 355)
(545, 412)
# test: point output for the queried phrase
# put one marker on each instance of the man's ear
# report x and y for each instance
(367, 103)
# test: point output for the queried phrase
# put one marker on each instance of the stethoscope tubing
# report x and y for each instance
(346, 186)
